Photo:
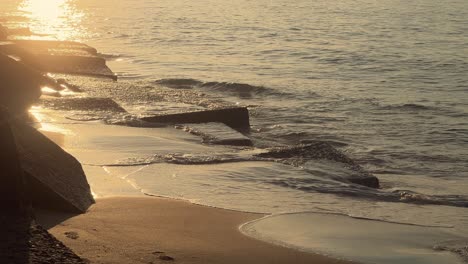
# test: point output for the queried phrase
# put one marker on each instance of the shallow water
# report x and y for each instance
(372, 241)
(385, 82)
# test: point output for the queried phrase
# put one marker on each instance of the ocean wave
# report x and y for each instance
(418, 198)
(459, 247)
(241, 90)
(329, 183)
(408, 107)
(110, 57)
(179, 83)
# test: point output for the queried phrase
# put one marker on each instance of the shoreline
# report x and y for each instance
(156, 229)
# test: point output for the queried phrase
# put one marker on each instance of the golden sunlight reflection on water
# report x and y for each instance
(56, 19)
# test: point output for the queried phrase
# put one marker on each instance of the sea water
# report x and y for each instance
(383, 81)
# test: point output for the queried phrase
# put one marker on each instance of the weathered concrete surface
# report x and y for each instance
(55, 178)
(82, 104)
(59, 56)
(19, 85)
(22, 241)
(237, 117)
(74, 64)
(43, 46)
(217, 133)
(12, 186)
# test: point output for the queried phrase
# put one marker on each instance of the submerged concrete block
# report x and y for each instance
(44, 45)
(237, 117)
(59, 56)
(55, 179)
(218, 134)
(86, 65)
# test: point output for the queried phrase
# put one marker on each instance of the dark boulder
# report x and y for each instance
(237, 117)
(20, 85)
(55, 179)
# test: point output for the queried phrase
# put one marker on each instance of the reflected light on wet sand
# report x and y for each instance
(45, 126)
(57, 19)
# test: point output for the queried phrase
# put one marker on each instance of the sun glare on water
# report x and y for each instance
(54, 18)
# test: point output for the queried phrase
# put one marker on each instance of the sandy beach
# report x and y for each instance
(159, 230)
(264, 131)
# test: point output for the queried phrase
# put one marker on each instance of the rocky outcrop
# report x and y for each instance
(236, 117)
(55, 179)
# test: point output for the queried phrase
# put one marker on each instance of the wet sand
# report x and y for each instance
(134, 228)
(158, 230)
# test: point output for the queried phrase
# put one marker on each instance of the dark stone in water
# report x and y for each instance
(298, 155)
(55, 179)
(237, 118)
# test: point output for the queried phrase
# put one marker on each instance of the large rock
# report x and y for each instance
(22, 241)
(19, 86)
(236, 117)
(55, 178)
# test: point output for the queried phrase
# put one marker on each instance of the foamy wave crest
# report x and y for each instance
(109, 56)
(322, 176)
(459, 247)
